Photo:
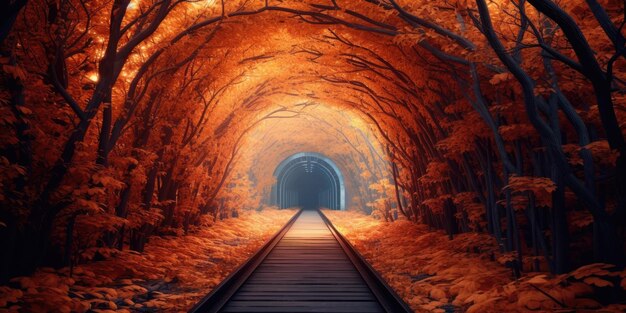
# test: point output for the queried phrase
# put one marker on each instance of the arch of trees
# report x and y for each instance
(124, 119)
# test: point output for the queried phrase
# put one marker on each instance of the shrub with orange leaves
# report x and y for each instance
(541, 187)
(434, 274)
(171, 274)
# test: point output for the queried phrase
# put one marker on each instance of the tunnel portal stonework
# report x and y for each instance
(308, 180)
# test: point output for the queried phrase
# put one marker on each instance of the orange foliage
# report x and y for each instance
(120, 120)
(171, 275)
(541, 187)
(433, 274)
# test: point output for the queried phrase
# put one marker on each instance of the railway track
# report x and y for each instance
(307, 266)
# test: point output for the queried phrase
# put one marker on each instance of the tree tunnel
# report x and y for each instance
(310, 181)
(130, 118)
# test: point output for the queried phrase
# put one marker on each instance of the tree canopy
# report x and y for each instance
(122, 119)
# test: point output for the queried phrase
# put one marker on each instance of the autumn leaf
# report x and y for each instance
(541, 187)
(499, 78)
(597, 282)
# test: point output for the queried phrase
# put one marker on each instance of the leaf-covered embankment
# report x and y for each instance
(171, 274)
(432, 273)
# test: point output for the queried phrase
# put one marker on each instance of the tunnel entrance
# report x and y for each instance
(308, 180)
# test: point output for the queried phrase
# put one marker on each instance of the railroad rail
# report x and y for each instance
(307, 266)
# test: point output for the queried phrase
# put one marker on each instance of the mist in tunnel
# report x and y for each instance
(308, 190)
(325, 157)
(310, 181)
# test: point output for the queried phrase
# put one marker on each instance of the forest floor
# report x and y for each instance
(431, 272)
(435, 274)
(172, 274)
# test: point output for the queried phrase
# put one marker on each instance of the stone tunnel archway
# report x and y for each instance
(309, 180)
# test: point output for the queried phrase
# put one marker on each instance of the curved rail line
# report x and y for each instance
(307, 266)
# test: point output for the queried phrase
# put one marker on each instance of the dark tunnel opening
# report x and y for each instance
(310, 189)
(309, 181)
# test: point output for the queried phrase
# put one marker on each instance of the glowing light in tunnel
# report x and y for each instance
(323, 127)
